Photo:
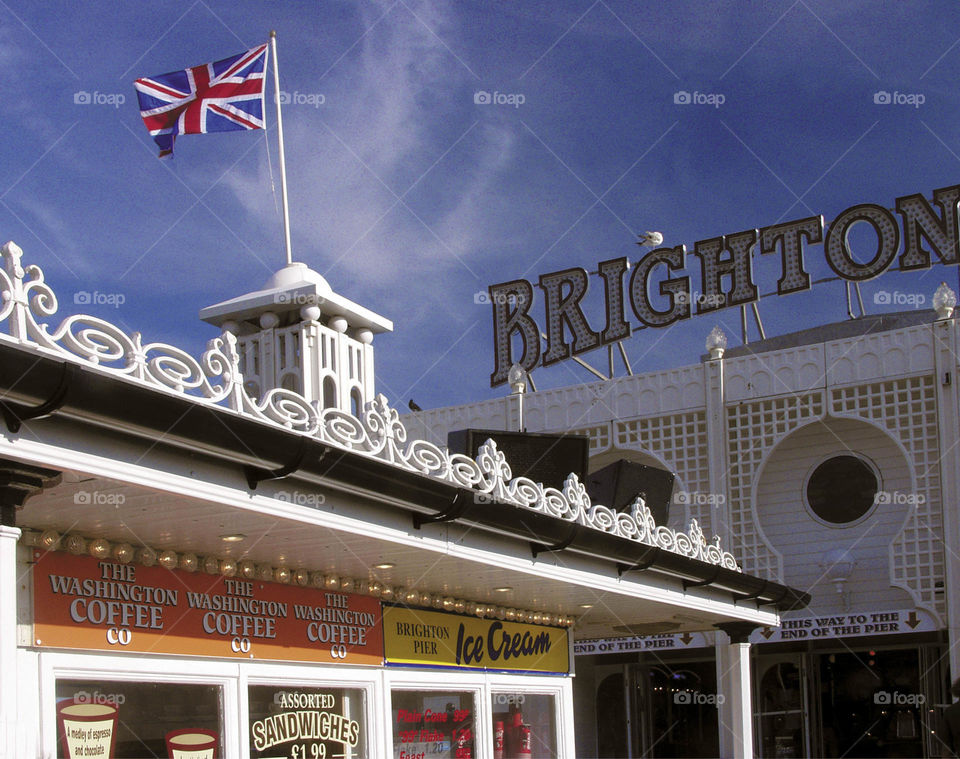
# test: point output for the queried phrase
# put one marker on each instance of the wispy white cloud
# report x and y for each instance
(381, 192)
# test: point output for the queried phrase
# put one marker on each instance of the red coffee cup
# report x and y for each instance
(192, 743)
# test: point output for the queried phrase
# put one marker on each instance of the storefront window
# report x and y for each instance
(524, 725)
(434, 724)
(307, 723)
(129, 720)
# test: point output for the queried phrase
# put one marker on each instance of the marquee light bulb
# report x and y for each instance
(123, 553)
(100, 548)
(76, 544)
(146, 556)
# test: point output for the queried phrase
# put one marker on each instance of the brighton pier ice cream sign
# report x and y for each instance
(929, 230)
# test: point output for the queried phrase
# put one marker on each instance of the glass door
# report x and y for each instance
(872, 703)
(780, 707)
(674, 709)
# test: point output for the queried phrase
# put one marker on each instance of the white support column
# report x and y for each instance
(735, 708)
(8, 641)
(947, 386)
(717, 466)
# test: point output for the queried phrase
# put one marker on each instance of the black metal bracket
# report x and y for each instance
(649, 558)
(18, 483)
(453, 511)
(15, 417)
(256, 475)
(687, 584)
(538, 548)
(776, 601)
(750, 596)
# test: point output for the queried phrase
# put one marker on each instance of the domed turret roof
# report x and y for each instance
(294, 274)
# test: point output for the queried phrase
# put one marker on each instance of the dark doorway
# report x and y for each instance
(611, 719)
(872, 704)
(681, 702)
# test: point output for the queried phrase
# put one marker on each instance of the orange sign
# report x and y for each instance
(82, 602)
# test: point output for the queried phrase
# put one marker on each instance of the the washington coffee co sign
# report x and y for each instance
(726, 276)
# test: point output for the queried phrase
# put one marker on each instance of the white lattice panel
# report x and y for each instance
(599, 435)
(907, 408)
(880, 356)
(753, 429)
(679, 440)
(794, 370)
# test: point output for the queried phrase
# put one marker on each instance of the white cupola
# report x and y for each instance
(296, 333)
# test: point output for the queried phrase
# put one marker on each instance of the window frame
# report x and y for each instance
(234, 677)
(56, 666)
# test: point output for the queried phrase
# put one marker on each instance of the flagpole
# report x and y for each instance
(283, 163)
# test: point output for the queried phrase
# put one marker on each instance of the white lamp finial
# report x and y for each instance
(716, 343)
(944, 301)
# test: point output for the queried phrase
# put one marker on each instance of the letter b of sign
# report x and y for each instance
(510, 302)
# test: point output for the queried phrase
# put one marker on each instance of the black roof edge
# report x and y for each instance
(51, 386)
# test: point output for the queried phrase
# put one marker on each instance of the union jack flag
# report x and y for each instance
(216, 97)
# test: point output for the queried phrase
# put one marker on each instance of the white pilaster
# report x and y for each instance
(8, 641)
(735, 708)
(717, 467)
(947, 387)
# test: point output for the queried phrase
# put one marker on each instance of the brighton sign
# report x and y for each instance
(726, 276)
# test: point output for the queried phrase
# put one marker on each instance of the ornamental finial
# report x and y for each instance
(716, 343)
(944, 301)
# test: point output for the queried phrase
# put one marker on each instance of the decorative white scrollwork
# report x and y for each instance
(26, 301)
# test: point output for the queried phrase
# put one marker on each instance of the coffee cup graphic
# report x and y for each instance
(192, 743)
(87, 729)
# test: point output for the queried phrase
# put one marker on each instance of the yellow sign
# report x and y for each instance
(415, 636)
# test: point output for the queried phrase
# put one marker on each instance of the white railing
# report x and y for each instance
(27, 300)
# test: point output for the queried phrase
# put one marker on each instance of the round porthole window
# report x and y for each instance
(842, 489)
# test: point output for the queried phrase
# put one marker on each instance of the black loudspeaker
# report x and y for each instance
(618, 484)
(539, 456)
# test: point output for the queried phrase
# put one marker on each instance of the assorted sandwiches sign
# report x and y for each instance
(920, 234)
(83, 602)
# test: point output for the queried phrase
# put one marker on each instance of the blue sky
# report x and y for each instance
(410, 197)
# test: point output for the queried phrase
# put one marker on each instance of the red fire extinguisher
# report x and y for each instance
(498, 736)
(521, 740)
(526, 742)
